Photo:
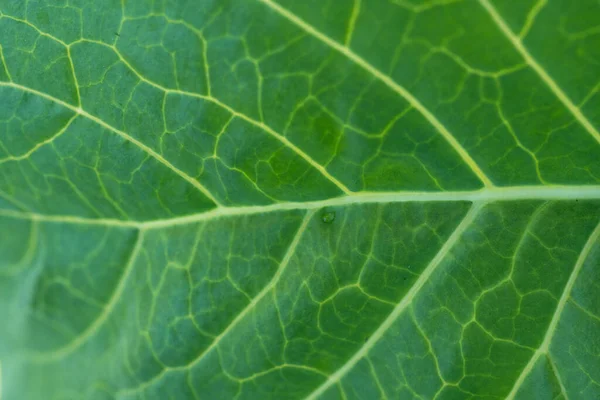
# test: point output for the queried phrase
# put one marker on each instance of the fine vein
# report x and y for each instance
(210, 98)
(104, 315)
(552, 85)
(259, 124)
(545, 346)
(402, 305)
(40, 144)
(389, 82)
(268, 287)
(124, 135)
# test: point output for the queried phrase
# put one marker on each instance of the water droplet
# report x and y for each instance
(328, 217)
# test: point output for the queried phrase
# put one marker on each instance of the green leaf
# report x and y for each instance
(317, 199)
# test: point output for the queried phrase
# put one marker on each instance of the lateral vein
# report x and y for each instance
(282, 266)
(40, 144)
(259, 124)
(545, 346)
(552, 85)
(124, 135)
(268, 287)
(401, 306)
(389, 82)
(104, 315)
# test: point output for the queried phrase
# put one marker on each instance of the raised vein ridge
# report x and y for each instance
(102, 317)
(484, 195)
(552, 85)
(142, 146)
(545, 346)
(401, 306)
(413, 101)
(268, 287)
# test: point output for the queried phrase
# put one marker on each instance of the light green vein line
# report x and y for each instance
(268, 287)
(388, 81)
(533, 13)
(32, 26)
(558, 378)
(68, 219)
(545, 346)
(281, 367)
(40, 144)
(552, 85)
(124, 135)
(4, 64)
(261, 125)
(488, 195)
(16, 203)
(104, 315)
(75, 81)
(28, 258)
(352, 22)
(402, 305)
(277, 136)
(584, 310)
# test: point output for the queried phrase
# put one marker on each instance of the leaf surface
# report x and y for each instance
(319, 199)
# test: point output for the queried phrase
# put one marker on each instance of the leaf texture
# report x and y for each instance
(318, 199)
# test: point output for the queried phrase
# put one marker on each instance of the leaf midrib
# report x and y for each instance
(513, 193)
(347, 52)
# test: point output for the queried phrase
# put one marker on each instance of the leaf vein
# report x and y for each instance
(545, 346)
(413, 101)
(546, 78)
(102, 317)
(402, 305)
(488, 195)
(268, 287)
(124, 135)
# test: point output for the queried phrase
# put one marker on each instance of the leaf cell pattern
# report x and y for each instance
(325, 199)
